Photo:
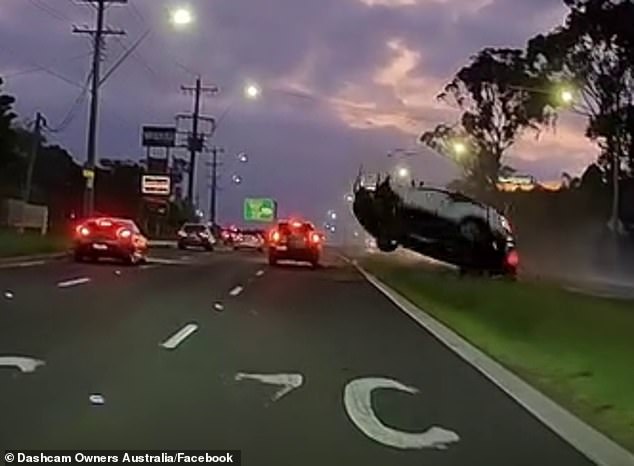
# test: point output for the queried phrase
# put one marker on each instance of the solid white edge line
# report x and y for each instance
(17, 265)
(588, 441)
(74, 282)
(236, 291)
(176, 339)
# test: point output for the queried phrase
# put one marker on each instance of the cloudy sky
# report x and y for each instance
(343, 81)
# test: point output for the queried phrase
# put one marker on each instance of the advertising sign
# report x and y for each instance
(159, 136)
(156, 185)
(260, 210)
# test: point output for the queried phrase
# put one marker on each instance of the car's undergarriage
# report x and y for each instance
(438, 223)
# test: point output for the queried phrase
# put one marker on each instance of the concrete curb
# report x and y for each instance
(8, 261)
(584, 438)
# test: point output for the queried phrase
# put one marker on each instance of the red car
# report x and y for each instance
(113, 238)
(295, 241)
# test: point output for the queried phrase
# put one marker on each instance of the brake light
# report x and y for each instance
(104, 223)
(275, 236)
(124, 233)
(513, 259)
(296, 224)
(315, 238)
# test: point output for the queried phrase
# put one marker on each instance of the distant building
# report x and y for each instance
(525, 183)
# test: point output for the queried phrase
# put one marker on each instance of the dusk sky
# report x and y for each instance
(372, 69)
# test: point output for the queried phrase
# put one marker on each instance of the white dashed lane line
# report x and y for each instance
(236, 291)
(259, 273)
(74, 282)
(180, 336)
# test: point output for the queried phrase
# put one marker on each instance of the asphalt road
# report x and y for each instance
(105, 330)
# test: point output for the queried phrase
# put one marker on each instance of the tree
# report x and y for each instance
(594, 49)
(497, 103)
(8, 156)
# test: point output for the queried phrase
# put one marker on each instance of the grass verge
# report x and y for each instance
(578, 350)
(13, 244)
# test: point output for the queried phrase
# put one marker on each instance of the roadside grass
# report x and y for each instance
(14, 244)
(578, 350)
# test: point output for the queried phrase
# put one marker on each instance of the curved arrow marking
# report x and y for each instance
(24, 364)
(358, 403)
(289, 382)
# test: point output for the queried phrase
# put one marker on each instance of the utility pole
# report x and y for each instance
(213, 198)
(195, 142)
(98, 38)
(35, 146)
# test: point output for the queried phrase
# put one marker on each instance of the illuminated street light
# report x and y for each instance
(567, 96)
(349, 198)
(243, 157)
(236, 179)
(252, 91)
(403, 172)
(459, 148)
(182, 17)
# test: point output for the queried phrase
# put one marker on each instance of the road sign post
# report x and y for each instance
(260, 210)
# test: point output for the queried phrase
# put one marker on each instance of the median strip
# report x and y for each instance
(74, 282)
(180, 336)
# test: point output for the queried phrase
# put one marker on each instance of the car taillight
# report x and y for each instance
(513, 259)
(83, 230)
(124, 233)
(315, 238)
(275, 236)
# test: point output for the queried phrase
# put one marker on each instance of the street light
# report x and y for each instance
(181, 17)
(252, 91)
(403, 172)
(349, 198)
(567, 96)
(243, 157)
(459, 147)
(236, 179)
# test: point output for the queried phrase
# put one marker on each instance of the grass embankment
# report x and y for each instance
(578, 350)
(13, 244)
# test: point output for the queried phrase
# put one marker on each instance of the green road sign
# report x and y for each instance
(260, 210)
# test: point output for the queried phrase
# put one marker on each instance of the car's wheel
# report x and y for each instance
(181, 246)
(78, 257)
(209, 247)
(131, 259)
(272, 259)
(315, 264)
(473, 231)
(386, 245)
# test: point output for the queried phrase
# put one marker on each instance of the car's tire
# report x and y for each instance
(272, 260)
(314, 264)
(209, 248)
(131, 259)
(386, 245)
(181, 246)
(78, 257)
(474, 231)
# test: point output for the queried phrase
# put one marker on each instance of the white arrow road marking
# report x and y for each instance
(358, 402)
(259, 273)
(22, 363)
(289, 382)
(74, 282)
(236, 291)
(180, 336)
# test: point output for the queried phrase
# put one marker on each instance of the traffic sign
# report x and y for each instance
(156, 185)
(260, 210)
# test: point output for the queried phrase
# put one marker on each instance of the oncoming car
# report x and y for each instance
(113, 238)
(438, 223)
(295, 241)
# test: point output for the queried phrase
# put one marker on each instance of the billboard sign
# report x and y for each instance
(156, 185)
(260, 210)
(159, 136)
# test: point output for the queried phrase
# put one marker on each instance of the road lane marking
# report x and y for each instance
(180, 336)
(236, 291)
(289, 382)
(9, 294)
(24, 364)
(148, 267)
(97, 399)
(588, 441)
(358, 403)
(259, 273)
(74, 282)
(219, 307)
(157, 260)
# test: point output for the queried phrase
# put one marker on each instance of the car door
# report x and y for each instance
(424, 213)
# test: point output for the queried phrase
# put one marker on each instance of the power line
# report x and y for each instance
(38, 69)
(49, 10)
(138, 57)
